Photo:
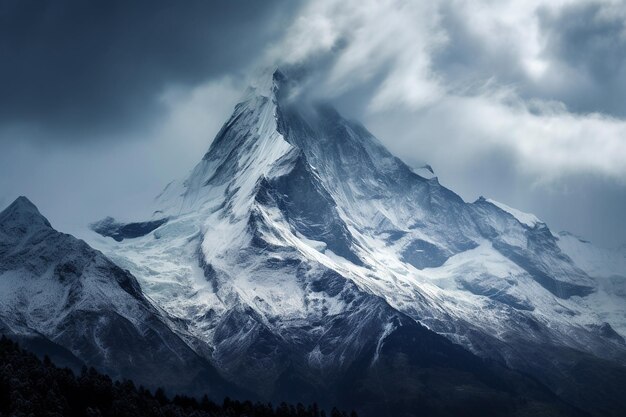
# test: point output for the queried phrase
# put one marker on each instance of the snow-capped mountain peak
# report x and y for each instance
(297, 219)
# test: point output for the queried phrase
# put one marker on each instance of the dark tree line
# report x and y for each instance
(31, 387)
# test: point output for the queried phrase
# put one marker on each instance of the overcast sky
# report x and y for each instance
(102, 103)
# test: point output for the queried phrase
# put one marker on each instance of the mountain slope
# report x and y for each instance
(297, 220)
(56, 291)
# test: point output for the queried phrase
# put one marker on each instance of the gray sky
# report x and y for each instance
(523, 101)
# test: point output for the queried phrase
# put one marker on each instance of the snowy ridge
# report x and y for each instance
(527, 219)
(597, 262)
(425, 171)
(608, 266)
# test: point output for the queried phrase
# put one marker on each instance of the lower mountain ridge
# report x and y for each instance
(62, 298)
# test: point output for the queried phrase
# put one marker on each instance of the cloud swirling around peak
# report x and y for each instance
(513, 74)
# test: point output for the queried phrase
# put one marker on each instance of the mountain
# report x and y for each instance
(61, 297)
(64, 299)
(301, 256)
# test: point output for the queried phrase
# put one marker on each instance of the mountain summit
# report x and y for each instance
(23, 215)
(298, 248)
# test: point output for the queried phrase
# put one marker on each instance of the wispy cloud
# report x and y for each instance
(399, 50)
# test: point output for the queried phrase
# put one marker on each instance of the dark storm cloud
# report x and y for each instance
(467, 59)
(583, 46)
(82, 67)
(591, 40)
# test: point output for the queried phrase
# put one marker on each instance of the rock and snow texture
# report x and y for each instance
(527, 219)
(55, 289)
(298, 240)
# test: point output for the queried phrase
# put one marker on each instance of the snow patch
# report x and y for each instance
(527, 219)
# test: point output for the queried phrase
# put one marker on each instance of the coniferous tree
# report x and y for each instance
(30, 387)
